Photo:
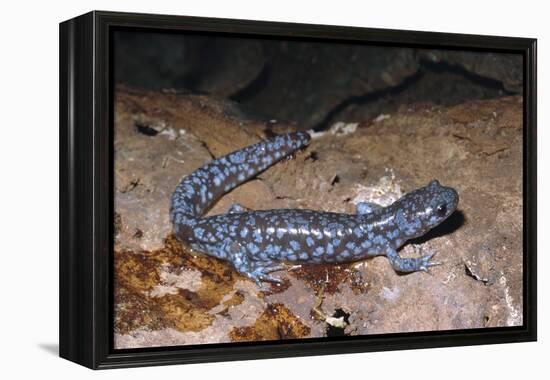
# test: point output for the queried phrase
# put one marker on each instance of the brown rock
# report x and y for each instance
(475, 147)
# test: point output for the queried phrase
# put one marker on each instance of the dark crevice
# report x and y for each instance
(441, 67)
(367, 98)
(469, 273)
(131, 186)
(426, 67)
(205, 145)
(254, 87)
(338, 331)
(268, 131)
(282, 197)
(313, 156)
(191, 81)
(146, 129)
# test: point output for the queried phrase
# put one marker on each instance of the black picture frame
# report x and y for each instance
(86, 192)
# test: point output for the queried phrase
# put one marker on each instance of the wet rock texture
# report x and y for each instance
(166, 294)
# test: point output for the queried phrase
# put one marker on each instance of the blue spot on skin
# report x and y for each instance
(292, 257)
(237, 157)
(257, 236)
(244, 232)
(273, 250)
(304, 256)
(199, 232)
(393, 234)
(366, 244)
(318, 251)
(203, 194)
(378, 239)
(280, 233)
(363, 208)
(309, 241)
(400, 219)
(295, 245)
(358, 232)
(318, 234)
(252, 248)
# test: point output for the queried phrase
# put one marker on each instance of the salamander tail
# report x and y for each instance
(197, 192)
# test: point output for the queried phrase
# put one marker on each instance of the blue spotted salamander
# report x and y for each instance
(257, 243)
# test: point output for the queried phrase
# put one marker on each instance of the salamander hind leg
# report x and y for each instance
(257, 270)
(261, 271)
(406, 264)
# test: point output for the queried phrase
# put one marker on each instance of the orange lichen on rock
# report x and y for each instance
(328, 277)
(276, 322)
(137, 275)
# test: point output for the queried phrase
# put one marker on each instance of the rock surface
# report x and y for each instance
(166, 294)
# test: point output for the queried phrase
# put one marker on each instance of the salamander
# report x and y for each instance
(260, 242)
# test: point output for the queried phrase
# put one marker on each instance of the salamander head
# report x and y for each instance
(422, 209)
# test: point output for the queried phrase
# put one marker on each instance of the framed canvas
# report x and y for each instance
(236, 189)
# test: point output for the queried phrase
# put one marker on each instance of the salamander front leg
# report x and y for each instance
(406, 264)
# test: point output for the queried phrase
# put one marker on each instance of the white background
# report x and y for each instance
(29, 187)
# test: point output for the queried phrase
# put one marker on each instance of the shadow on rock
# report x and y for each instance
(453, 223)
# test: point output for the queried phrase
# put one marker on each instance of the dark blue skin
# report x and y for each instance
(258, 242)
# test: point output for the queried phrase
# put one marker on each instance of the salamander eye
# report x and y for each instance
(441, 209)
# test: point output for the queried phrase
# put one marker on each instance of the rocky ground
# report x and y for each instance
(166, 294)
